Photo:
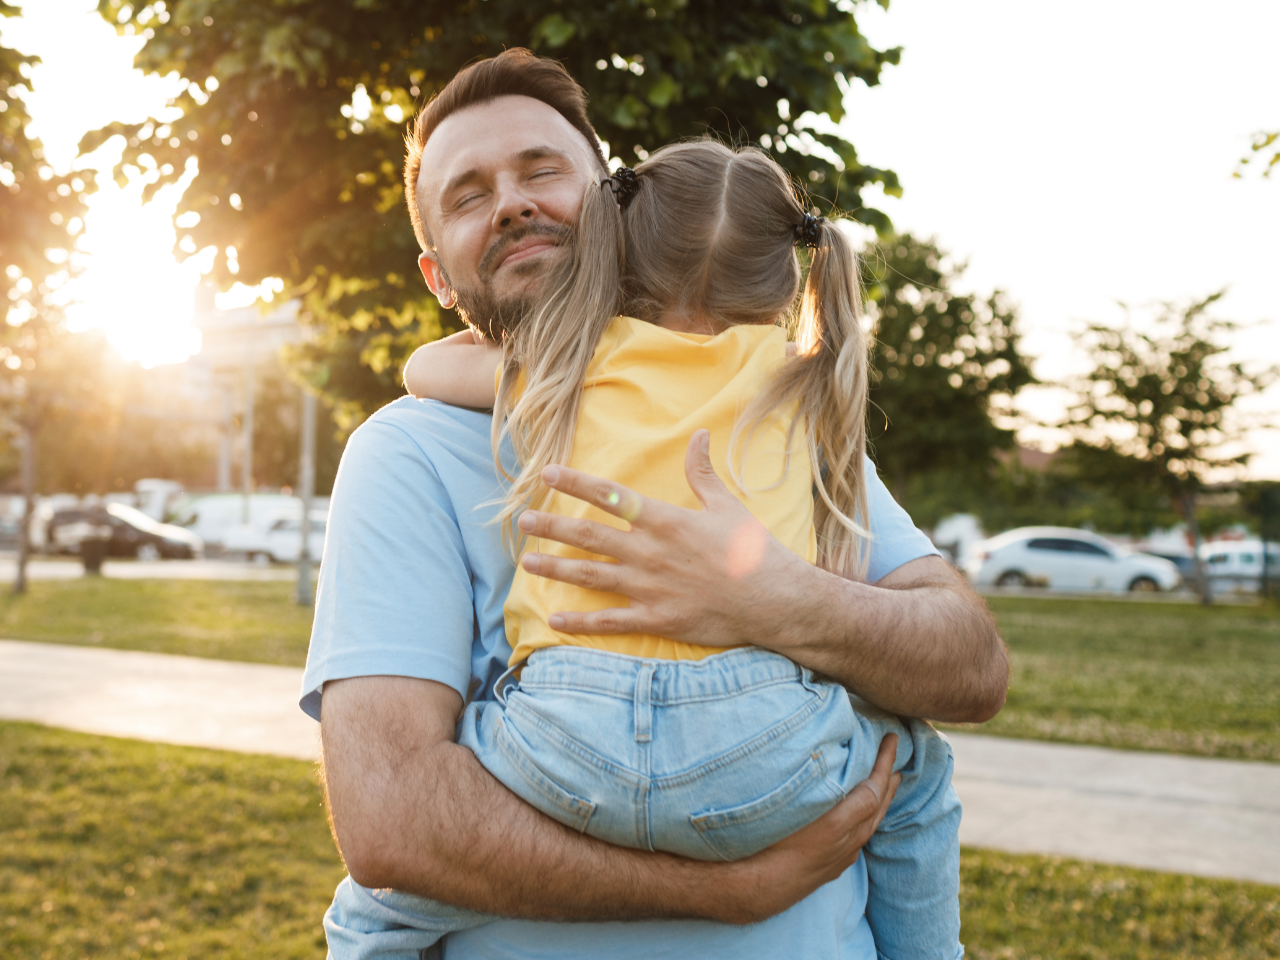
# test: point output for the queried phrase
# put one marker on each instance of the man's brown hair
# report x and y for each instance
(514, 72)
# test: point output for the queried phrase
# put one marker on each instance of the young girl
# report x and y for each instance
(664, 320)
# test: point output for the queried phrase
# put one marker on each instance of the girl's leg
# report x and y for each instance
(913, 859)
(364, 924)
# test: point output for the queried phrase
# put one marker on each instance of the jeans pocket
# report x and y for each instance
(737, 832)
(536, 787)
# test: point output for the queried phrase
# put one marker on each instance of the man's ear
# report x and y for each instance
(433, 273)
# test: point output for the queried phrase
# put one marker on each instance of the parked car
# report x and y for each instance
(212, 516)
(1061, 558)
(1237, 564)
(133, 533)
(279, 540)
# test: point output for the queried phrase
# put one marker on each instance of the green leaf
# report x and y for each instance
(664, 91)
(553, 30)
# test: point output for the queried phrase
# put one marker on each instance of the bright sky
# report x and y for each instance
(1075, 155)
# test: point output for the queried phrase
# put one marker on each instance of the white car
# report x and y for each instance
(279, 540)
(1061, 558)
(1237, 564)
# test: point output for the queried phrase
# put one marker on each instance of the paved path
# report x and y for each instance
(1210, 817)
(69, 568)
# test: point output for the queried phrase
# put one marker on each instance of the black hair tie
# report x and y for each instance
(809, 230)
(625, 184)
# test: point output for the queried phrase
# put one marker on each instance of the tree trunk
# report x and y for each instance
(1193, 523)
(29, 507)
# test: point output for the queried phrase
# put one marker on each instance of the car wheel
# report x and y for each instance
(1143, 585)
(148, 553)
(1012, 578)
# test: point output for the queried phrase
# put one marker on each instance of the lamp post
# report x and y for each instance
(306, 491)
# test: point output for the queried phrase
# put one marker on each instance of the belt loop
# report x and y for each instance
(500, 685)
(643, 703)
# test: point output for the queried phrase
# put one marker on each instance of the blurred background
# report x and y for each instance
(1068, 217)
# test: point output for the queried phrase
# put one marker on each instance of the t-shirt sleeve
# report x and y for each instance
(395, 590)
(895, 540)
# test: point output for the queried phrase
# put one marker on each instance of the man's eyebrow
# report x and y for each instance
(528, 155)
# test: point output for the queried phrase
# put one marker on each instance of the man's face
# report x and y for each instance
(500, 189)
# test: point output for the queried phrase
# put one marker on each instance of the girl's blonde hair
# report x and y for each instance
(710, 233)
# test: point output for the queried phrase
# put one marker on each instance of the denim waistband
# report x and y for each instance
(666, 681)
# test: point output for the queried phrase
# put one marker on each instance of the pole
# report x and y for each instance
(1264, 587)
(29, 506)
(1189, 514)
(224, 443)
(306, 490)
(246, 464)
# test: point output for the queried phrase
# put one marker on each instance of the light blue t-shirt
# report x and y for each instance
(412, 584)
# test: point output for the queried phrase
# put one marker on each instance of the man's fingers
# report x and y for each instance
(588, 535)
(614, 620)
(867, 803)
(610, 497)
(589, 574)
(698, 470)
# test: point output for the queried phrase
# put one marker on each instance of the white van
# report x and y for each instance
(212, 515)
(1237, 564)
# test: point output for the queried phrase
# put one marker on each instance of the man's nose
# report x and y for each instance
(513, 207)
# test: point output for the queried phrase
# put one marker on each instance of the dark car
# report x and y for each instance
(133, 533)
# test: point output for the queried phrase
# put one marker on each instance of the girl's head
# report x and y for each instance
(710, 234)
(706, 240)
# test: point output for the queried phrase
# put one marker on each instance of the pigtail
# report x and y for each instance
(826, 385)
(545, 359)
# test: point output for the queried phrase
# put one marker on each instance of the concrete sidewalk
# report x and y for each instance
(70, 568)
(1218, 818)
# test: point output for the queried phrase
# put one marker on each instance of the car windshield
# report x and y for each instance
(135, 518)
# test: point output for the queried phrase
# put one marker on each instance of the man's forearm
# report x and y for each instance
(918, 643)
(412, 810)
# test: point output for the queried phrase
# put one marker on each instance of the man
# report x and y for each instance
(409, 614)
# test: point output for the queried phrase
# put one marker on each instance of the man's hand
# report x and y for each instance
(918, 643)
(702, 576)
(824, 850)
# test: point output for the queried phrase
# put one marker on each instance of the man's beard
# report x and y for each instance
(481, 307)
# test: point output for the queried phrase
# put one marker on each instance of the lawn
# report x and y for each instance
(1150, 676)
(227, 620)
(115, 848)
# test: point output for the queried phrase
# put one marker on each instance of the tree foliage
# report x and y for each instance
(946, 366)
(1158, 409)
(1264, 143)
(295, 113)
(40, 215)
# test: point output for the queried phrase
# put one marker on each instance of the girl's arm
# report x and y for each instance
(459, 369)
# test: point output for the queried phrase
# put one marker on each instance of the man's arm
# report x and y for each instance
(411, 809)
(919, 642)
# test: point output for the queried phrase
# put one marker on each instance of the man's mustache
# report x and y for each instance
(499, 249)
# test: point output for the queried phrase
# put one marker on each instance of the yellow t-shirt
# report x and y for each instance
(647, 390)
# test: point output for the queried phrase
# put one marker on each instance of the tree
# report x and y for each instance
(945, 366)
(39, 216)
(295, 114)
(1264, 142)
(1156, 415)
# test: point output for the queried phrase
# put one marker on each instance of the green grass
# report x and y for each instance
(227, 620)
(110, 848)
(1150, 676)
(115, 848)
(1017, 907)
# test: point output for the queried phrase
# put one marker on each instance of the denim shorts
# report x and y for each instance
(713, 759)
